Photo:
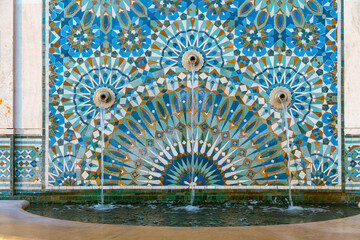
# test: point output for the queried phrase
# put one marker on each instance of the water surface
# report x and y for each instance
(215, 214)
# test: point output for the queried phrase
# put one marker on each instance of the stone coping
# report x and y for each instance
(16, 223)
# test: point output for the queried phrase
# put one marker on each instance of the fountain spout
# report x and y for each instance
(282, 97)
(279, 97)
(192, 60)
(104, 97)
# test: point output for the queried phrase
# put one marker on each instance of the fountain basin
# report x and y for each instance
(16, 222)
(202, 215)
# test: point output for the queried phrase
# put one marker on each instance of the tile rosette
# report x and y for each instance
(137, 46)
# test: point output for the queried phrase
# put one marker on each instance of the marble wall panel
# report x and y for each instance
(6, 67)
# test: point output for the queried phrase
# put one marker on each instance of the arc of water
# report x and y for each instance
(102, 127)
(283, 103)
(192, 184)
(284, 108)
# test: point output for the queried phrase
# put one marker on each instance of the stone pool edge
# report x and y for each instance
(16, 223)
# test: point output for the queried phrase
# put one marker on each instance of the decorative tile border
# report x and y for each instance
(5, 155)
(352, 162)
(28, 163)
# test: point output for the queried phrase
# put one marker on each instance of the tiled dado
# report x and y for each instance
(352, 162)
(28, 161)
(5, 164)
(135, 48)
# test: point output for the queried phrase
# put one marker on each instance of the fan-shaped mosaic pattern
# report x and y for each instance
(280, 12)
(171, 42)
(154, 145)
(294, 73)
(233, 137)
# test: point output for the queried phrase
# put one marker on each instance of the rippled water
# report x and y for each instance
(169, 214)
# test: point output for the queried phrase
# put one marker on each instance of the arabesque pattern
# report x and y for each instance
(234, 137)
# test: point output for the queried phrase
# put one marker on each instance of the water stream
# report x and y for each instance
(102, 129)
(192, 184)
(284, 106)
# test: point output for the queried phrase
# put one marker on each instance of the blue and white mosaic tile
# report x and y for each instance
(234, 138)
(352, 162)
(28, 155)
(5, 164)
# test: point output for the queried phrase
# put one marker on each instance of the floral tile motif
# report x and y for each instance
(169, 127)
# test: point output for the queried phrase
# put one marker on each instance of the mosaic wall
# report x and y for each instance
(233, 137)
(4, 164)
(28, 155)
(352, 162)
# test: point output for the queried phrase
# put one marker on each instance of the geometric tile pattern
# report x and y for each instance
(352, 162)
(28, 152)
(169, 127)
(4, 163)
